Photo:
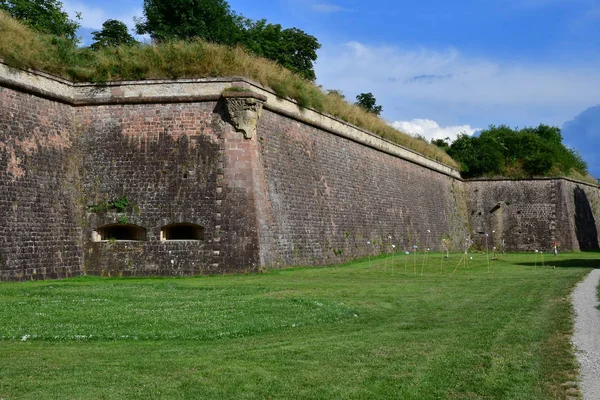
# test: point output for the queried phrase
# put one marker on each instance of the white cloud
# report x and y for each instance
(454, 89)
(432, 130)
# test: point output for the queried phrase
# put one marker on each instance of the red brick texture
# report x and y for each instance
(328, 196)
(40, 236)
(293, 194)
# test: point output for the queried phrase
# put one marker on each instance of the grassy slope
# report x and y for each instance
(21, 47)
(357, 331)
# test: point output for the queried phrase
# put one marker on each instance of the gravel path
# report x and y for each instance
(587, 334)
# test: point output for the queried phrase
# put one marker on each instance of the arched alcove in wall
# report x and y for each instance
(120, 232)
(182, 231)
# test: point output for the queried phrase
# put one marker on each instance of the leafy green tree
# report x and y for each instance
(46, 16)
(293, 48)
(538, 164)
(114, 33)
(477, 156)
(211, 20)
(443, 144)
(369, 103)
(550, 134)
(298, 52)
(214, 21)
(501, 150)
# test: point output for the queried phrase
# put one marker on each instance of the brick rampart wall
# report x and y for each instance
(293, 191)
(164, 159)
(40, 176)
(328, 196)
(531, 214)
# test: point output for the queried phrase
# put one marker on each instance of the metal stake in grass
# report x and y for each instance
(487, 252)
(424, 260)
(536, 253)
(425, 251)
(444, 247)
(385, 265)
(468, 243)
(415, 259)
(542, 254)
(369, 249)
(406, 262)
(393, 253)
(464, 257)
(441, 260)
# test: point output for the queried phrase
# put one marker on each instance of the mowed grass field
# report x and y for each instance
(369, 329)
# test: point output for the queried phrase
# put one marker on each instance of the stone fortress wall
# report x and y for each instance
(531, 214)
(183, 177)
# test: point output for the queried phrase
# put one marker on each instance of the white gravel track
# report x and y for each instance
(586, 337)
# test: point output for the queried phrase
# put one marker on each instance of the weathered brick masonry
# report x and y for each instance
(40, 218)
(215, 183)
(164, 158)
(531, 214)
(328, 196)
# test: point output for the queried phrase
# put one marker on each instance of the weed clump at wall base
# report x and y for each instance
(21, 47)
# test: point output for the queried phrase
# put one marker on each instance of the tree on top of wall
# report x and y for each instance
(293, 48)
(369, 103)
(210, 20)
(214, 21)
(46, 16)
(504, 151)
(114, 33)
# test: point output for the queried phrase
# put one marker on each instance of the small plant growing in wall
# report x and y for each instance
(123, 219)
(119, 205)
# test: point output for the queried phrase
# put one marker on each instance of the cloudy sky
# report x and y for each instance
(442, 67)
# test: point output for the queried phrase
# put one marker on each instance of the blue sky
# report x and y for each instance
(439, 68)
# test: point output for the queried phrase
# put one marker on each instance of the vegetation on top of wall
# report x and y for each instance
(45, 16)
(113, 33)
(516, 153)
(369, 103)
(21, 47)
(215, 22)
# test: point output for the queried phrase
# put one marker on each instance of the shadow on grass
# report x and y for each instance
(565, 263)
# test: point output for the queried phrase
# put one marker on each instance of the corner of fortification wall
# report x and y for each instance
(532, 214)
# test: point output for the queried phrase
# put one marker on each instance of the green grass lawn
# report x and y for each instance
(362, 330)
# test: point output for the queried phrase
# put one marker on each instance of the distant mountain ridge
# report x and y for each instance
(583, 133)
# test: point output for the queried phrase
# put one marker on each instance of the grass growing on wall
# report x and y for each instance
(23, 48)
(362, 330)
